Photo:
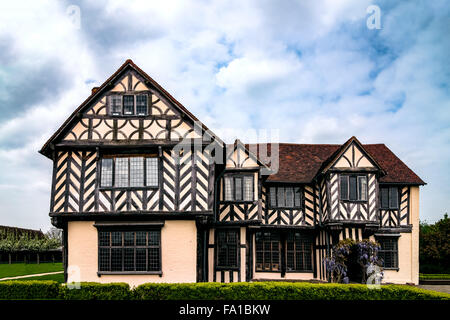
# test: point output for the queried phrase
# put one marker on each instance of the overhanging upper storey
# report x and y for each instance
(129, 109)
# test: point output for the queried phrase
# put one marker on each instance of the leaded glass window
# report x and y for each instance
(128, 105)
(141, 105)
(129, 251)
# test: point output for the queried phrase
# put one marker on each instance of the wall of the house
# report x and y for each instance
(76, 175)
(178, 254)
(408, 247)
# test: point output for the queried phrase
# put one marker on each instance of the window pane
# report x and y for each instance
(352, 188)
(362, 188)
(152, 172)
(297, 197)
(281, 197)
(116, 105)
(384, 197)
(344, 187)
(116, 259)
(393, 197)
(104, 238)
(141, 259)
(238, 188)
(104, 259)
(121, 174)
(128, 238)
(153, 259)
(273, 197)
(228, 189)
(153, 238)
(116, 238)
(141, 238)
(137, 172)
(141, 104)
(128, 259)
(128, 104)
(289, 197)
(248, 188)
(106, 173)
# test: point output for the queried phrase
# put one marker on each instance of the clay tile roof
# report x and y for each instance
(300, 163)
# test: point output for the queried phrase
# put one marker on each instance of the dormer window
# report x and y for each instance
(129, 105)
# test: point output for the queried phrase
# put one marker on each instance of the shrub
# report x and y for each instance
(281, 291)
(97, 291)
(34, 289)
(15, 290)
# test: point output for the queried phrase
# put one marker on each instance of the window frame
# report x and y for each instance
(394, 251)
(121, 107)
(129, 187)
(357, 177)
(294, 207)
(263, 252)
(233, 177)
(147, 246)
(389, 187)
(283, 239)
(238, 250)
(303, 236)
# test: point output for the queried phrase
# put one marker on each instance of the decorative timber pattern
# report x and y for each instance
(186, 186)
(353, 157)
(397, 217)
(352, 210)
(239, 212)
(162, 122)
(74, 181)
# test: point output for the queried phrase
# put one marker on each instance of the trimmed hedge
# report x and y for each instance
(34, 289)
(97, 291)
(281, 291)
(15, 290)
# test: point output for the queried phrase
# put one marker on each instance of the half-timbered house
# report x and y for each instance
(146, 193)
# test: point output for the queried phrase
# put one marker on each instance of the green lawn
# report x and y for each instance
(427, 276)
(21, 269)
(55, 277)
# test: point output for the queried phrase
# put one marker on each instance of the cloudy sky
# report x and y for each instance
(311, 69)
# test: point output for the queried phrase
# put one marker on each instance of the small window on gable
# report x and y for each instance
(141, 105)
(128, 105)
(116, 104)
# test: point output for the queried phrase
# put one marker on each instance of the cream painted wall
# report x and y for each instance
(408, 248)
(178, 254)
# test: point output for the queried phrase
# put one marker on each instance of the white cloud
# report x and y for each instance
(308, 68)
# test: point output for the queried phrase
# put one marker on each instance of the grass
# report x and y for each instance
(55, 277)
(427, 276)
(21, 269)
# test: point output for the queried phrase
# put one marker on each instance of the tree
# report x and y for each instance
(434, 246)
